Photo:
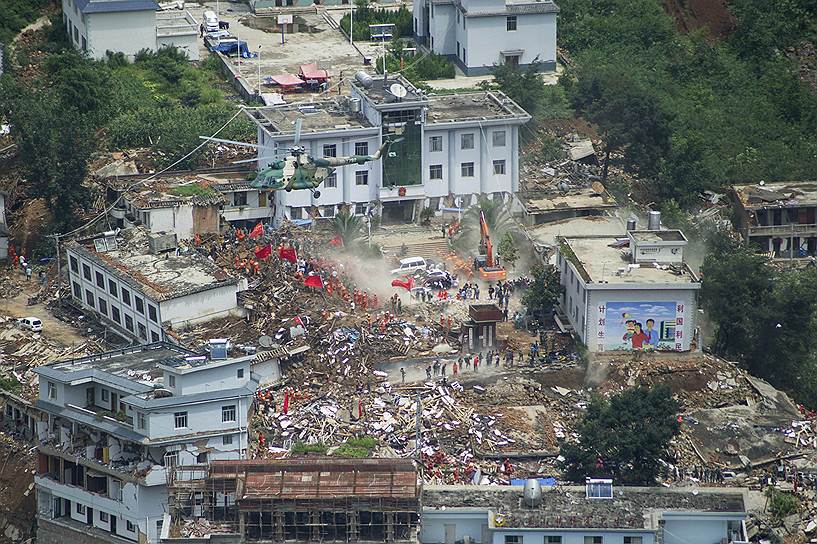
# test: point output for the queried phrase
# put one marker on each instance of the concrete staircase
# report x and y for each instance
(431, 249)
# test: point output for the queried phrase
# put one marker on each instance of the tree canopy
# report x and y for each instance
(623, 437)
(544, 292)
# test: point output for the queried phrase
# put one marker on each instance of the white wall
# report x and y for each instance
(124, 31)
(185, 42)
(200, 307)
(699, 530)
(442, 27)
(73, 19)
(178, 219)
(535, 35)
(203, 417)
(212, 377)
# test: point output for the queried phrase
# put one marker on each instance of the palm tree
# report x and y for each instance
(347, 227)
(497, 217)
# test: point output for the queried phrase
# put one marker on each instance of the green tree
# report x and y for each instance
(623, 437)
(545, 290)
(507, 250)
(347, 227)
(630, 117)
(497, 216)
(523, 85)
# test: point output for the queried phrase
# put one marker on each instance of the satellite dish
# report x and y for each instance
(597, 187)
(265, 341)
(398, 90)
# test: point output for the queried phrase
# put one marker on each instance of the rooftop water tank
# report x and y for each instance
(654, 221)
(532, 494)
(364, 79)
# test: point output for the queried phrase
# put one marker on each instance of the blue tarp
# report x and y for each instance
(231, 47)
(544, 482)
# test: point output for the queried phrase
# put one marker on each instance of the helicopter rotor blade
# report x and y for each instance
(233, 142)
(297, 132)
(252, 160)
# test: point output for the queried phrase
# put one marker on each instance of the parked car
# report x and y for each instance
(410, 265)
(30, 323)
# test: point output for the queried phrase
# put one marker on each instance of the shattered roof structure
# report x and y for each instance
(775, 195)
(568, 507)
(548, 233)
(199, 188)
(160, 276)
(598, 258)
(585, 198)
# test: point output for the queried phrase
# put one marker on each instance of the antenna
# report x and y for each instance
(297, 131)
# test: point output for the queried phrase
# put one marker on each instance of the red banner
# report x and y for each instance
(406, 284)
(257, 231)
(313, 281)
(287, 254)
(263, 252)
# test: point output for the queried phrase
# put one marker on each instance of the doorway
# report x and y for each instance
(90, 396)
(401, 211)
(113, 524)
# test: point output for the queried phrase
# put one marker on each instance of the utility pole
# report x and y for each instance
(59, 273)
(259, 71)
(351, 22)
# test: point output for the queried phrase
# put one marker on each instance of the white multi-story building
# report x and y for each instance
(140, 285)
(478, 34)
(116, 422)
(128, 26)
(632, 292)
(452, 148)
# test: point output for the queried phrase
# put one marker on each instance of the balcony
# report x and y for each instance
(241, 213)
(784, 231)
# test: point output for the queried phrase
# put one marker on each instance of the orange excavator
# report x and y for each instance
(487, 269)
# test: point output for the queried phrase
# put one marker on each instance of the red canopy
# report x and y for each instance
(287, 80)
(311, 71)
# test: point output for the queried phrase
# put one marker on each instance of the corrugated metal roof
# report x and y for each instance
(108, 6)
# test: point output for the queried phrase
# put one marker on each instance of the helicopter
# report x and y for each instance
(300, 171)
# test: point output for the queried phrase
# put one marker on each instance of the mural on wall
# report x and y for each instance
(640, 326)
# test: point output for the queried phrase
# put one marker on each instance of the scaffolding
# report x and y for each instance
(315, 499)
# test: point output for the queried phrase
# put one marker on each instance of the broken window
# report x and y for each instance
(154, 336)
(52, 390)
(240, 198)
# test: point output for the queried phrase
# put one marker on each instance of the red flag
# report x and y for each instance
(288, 254)
(406, 284)
(257, 231)
(336, 241)
(313, 281)
(263, 252)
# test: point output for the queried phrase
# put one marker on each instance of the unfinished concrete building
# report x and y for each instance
(316, 499)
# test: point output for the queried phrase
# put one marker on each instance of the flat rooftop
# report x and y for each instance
(777, 194)
(161, 276)
(589, 225)
(568, 506)
(175, 23)
(316, 117)
(481, 106)
(656, 236)
(599, 258)
(574, 199)
(380, 90)
(138, 363)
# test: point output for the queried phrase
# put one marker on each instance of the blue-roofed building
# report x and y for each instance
(127, 26)
(112, 425)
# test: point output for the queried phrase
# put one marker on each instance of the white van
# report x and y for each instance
(210, 21)
(410, 266)
(30, 323)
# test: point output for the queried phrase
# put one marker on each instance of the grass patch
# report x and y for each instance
(193, 189)
(301, 448)
(10, 384)
(359, 448)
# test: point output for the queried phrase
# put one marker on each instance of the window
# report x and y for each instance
(633, 540)
(154, 336)
(89, 298)
(112, 287)
(467, 141)
(126, 296)
(239, 373)
(86, 272)
(171, 458)
(499, 168)
(201, 458)
(328, 211)
(361, 177)
(100, 280)
(594, 540)
(240, 198)
(103, 306)
(435, 143)
(599, 488)
(74, 264)
(330, 150)
(228, 413)
(140, 420)
(52, 390)
(512, 60)
(463, 49)
(81, 509)
(115, 315)
(143, 332)
(129, 322)
(262, 198)
(467, 169)
(361, 148)
(104, 517)
(296, 213)
(553, 539)
(140, 305)
(152, 309)
(106, 395)
(227, 439)
(331, 181)
(180, 419)
(510, 23)
(171, 380)
(77, 290)
(435, 171)
(130, 526)
(513, 539)
(498, 138)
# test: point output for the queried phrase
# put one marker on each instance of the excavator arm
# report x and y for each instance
(486, 241)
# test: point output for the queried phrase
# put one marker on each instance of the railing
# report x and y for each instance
(783, 230)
